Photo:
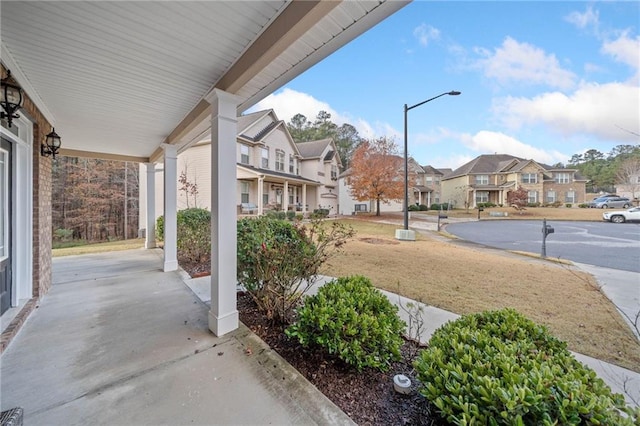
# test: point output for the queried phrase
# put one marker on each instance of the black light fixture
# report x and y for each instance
(51, 145)
(11, 98)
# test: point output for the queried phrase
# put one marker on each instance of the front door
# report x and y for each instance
(5, 225)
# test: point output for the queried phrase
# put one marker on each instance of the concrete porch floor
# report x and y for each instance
(118, 341)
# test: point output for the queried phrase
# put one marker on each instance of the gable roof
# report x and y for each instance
(313, 149)
(432, 170)
(502, 163)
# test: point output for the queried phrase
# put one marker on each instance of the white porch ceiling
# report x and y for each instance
(121, 78)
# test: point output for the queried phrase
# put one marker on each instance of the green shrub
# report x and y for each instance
(583, 205)
(193, 234)
(291, 215)
(353, 321)
(276, 214)
(536, 204)
(278, 261)
(499, 368)
(568, 205)
(423, 207)
(320, 213)
(413, 207)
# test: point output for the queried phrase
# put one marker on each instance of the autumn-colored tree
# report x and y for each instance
(377, 172)
(518, 199)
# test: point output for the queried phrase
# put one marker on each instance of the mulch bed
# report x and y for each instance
(368, 397)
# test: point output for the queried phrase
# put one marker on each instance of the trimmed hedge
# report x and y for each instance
(499, 368)
(354, 321)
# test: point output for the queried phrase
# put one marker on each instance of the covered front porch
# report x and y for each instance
(271, 191)
(142, 83)
(118, 341)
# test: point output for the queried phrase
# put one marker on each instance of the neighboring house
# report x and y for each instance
(489, 178)
(630, 189)
(425, 189)
(273, 172)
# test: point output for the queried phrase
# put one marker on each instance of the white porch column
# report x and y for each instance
(304, 199)
(150, 237)
(429, 199)
(260, 194)
(170, 207)
(223, 316)
(285, 196)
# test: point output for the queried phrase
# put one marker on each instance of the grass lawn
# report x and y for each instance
(465, 280)
(99, 247)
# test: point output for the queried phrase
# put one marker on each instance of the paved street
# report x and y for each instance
(608, 245)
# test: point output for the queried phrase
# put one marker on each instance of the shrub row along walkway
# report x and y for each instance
(617, 378)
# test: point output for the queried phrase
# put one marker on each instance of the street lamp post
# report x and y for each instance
(406, 157)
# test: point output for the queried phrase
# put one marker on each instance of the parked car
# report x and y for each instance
(621, 216)
(612, 202)
(592, 203)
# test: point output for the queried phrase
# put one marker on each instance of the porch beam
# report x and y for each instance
(223, 316)
(102, 155)
(289, 26)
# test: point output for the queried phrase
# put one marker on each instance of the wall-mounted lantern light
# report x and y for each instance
(51, 145)
(11, 98)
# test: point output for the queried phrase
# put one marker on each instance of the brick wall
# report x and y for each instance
(42, 184)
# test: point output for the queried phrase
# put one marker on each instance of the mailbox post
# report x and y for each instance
(546, 230)
(441, 216)
(480, 209)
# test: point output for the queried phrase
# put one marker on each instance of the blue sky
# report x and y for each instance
(541, 80)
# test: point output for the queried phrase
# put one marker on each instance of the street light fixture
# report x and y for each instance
(406, 161)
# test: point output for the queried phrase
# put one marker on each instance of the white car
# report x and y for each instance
(621, 216)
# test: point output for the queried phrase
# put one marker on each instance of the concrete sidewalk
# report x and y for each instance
(117, 341)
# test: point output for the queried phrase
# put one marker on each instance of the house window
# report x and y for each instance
(279, 160)
(532, 197)
(244, 154)
(482, 179)
(428, 180)
(292, 164)
(570, 197)
(529, 178)
(482, 197)
(265, 158)
(244, 192)
(265, 198)
(291, 195)
(334, 172)
(436, 198)
(563, 178)
(638, 179)
(551, 196)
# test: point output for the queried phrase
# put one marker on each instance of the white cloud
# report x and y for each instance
(288, 103)
(488, 142)
(624, 49)
(593, 109)
(426, 33)
(523, 63)
(583, 20)
(451, 162)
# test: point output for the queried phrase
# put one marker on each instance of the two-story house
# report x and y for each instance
(489, 178)
(424, 188)
(273, 172)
